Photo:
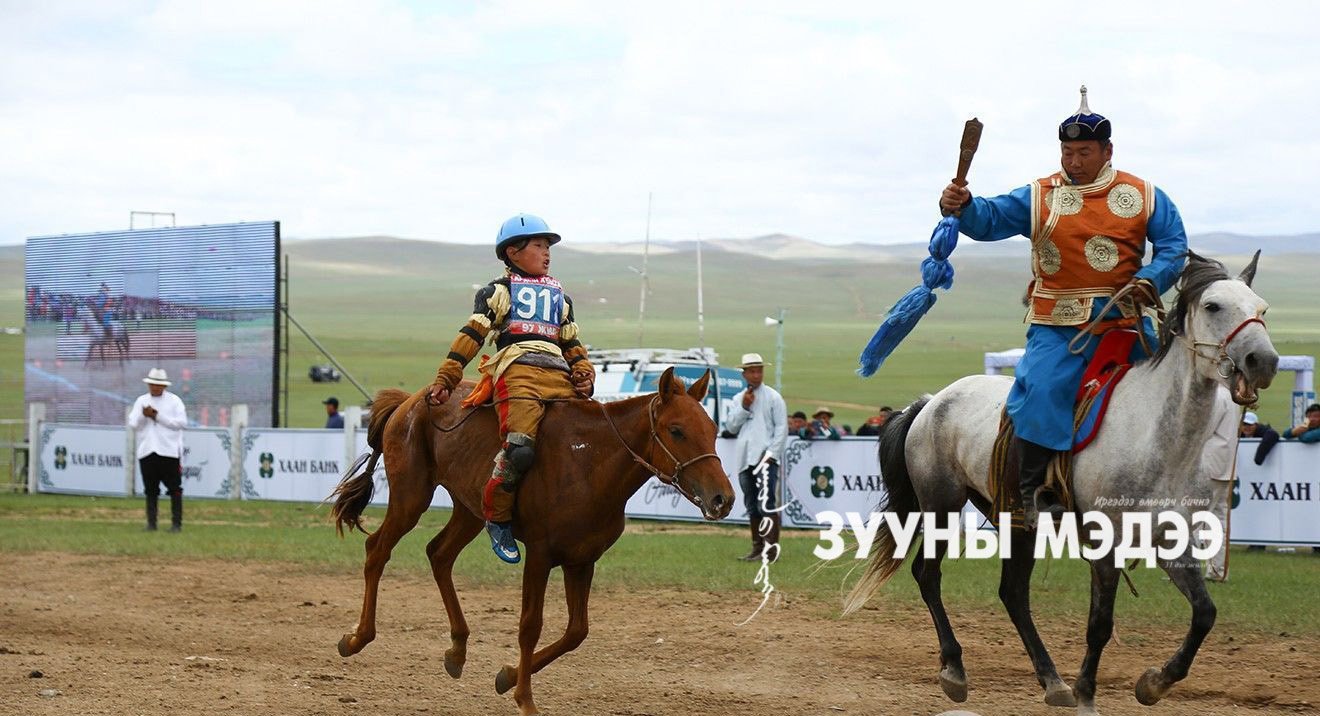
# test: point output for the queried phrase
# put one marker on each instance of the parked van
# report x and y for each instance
(627, 372)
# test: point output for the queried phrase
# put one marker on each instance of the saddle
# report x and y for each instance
(1106, 369)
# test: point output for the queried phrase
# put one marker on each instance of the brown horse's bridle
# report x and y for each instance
(671, 480)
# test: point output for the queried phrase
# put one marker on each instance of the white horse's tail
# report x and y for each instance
(900, 499)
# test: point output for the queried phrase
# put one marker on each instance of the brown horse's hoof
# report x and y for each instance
(954, 685)
(1058, 694)
(453, 663)
(345, 646)
(1151, 687)
(505, 680)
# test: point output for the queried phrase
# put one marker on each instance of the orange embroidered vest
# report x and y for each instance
(1087, 241)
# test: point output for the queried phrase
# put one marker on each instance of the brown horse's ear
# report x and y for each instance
(698, 389)
(1249, 273)
(668, 384)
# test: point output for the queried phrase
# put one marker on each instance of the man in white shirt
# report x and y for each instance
(159, 418)
(1218, 461)
(759, 418)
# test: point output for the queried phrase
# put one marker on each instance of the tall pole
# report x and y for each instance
(646, 281)
(701, 314)
(779, 352)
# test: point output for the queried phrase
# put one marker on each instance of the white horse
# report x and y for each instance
(112, 334)
(936, 455)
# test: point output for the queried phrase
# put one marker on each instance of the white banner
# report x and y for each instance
(381, 495)
(82, 459)
(1273, 503)
(205, 463)
(659, 501)
(288, 464)
(839, 475)
(1276, 502)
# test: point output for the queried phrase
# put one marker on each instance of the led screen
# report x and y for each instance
(102, 309)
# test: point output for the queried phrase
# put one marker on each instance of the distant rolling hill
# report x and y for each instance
(388, 308)
(782, 246)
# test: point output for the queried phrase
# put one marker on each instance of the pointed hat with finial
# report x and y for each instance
(1084, 125)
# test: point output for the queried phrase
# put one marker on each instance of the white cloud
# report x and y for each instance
(839, 124)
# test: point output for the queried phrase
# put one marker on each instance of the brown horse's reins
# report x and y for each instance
(671, 480)
(475, 408)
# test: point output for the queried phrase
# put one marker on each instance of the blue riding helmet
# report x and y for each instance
(523, 226)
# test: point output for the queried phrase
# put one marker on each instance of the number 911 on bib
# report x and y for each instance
(536, 306)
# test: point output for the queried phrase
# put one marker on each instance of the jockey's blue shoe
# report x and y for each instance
(502, 542)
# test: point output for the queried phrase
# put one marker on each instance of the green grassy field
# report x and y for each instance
(1265, 594)
(388, 308)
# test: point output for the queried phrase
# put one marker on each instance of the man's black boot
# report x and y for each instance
(1034, 465)
(176, 511)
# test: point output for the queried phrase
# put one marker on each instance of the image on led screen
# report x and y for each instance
(102, 309)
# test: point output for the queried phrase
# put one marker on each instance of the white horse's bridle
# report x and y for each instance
(1220, 357)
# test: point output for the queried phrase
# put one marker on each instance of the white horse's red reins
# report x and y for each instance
(1221, 356)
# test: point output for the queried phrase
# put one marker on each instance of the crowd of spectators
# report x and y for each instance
(49, 306)
(820, 426)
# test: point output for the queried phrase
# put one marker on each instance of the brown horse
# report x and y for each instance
(591, 458)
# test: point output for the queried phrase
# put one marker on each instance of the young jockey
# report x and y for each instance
(1089, 225)
(538, 357)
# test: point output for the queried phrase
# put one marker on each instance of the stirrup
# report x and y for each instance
(502, 542)
(1038, 506)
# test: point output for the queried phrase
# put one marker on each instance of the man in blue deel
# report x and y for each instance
(1088, 224)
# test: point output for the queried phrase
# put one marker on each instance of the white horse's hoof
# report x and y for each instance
(1151, 687)
(1059, 694)
(954, 685)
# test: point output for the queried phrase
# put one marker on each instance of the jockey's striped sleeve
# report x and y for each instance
(489, 307)
(575, 354)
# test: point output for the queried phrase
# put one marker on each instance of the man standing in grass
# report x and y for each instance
(158, 419)
(758, 417)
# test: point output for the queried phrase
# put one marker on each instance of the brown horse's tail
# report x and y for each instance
(354, 492)
(900, 499)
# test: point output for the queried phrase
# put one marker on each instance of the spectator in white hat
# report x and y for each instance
(1252, 427)
(159, 419)
(759, 418)
(821, 429)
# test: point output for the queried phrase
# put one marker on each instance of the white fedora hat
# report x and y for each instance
(751, 360)
(156, 376)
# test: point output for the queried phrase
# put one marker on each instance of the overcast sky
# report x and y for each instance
(837, 122)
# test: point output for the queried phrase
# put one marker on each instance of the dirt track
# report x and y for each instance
(116, 636)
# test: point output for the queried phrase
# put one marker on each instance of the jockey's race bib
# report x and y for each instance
(536, 306)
